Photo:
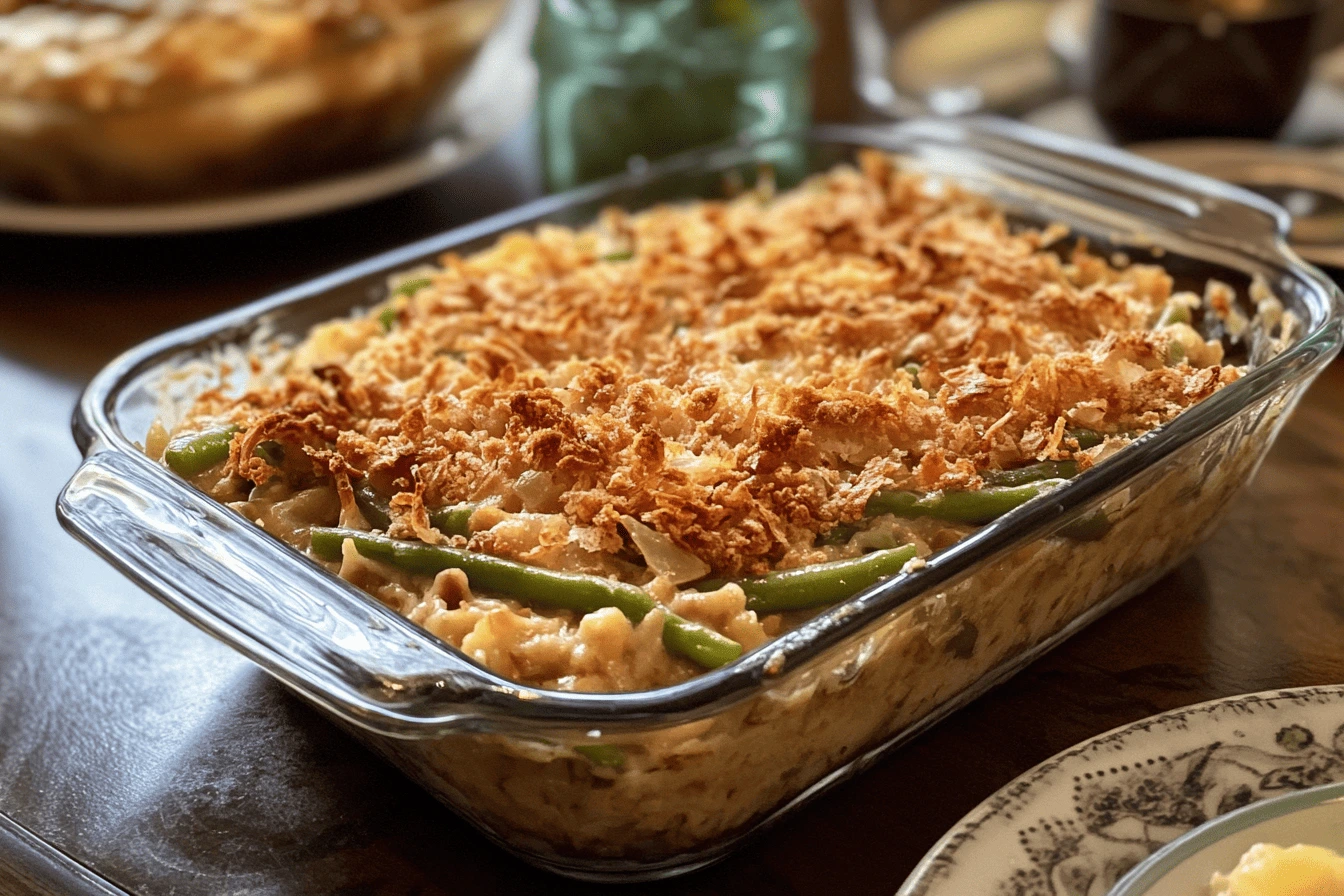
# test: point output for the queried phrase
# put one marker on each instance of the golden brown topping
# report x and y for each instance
(735, 376)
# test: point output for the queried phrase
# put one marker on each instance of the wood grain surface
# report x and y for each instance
(140, 748)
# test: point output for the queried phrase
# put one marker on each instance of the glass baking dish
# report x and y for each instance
(378, 87)
(648, 784)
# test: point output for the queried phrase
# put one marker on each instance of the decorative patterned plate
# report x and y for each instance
(1076, 823)
(1186, 865)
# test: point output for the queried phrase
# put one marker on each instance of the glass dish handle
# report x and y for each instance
(309, 629)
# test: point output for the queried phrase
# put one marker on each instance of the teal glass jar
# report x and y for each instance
(623, 78)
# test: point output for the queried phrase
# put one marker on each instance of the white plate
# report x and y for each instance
(1075, 824)
(496, 95)
(1187, 865)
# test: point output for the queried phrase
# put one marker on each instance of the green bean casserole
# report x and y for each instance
(607, 459)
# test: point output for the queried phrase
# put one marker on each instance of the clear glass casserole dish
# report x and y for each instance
(100, 103)
(647, 784)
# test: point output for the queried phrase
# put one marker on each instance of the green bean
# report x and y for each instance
(605, 755)
(702, 646)
(623, 255)
(838, 534)
(1085, 528)
(1048, 469)
(975, 507)
(533, 585)
(1173, 312)
(453, 520)
(820, 584)
(1086, 438)
(983, 506)
(270, 451)
(411, 287)
(1091, 438)
(197, 452)
(373, 506)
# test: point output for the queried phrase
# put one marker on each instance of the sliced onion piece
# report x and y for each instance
(538, 491)
(675, 564)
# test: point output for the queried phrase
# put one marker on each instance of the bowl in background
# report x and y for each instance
(1164, 69)
(101, 105)
(954, 58)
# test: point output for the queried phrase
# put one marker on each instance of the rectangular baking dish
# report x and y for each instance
(649, 784)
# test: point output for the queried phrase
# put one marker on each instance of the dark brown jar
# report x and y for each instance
(1199, 68)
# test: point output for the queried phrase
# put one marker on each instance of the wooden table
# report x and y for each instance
(152, 759)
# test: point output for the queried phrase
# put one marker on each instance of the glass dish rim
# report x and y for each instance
(487, 693)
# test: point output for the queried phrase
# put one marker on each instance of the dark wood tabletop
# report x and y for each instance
(138, 755)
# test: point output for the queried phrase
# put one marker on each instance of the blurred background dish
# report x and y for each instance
(1248, 91)
(925, 56)
(492, 96)
(951, 57)
(1199, 68)
(114, 102)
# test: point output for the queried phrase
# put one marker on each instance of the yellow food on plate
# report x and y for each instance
(1269, 870)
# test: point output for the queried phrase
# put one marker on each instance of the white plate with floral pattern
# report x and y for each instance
(1075, 824)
